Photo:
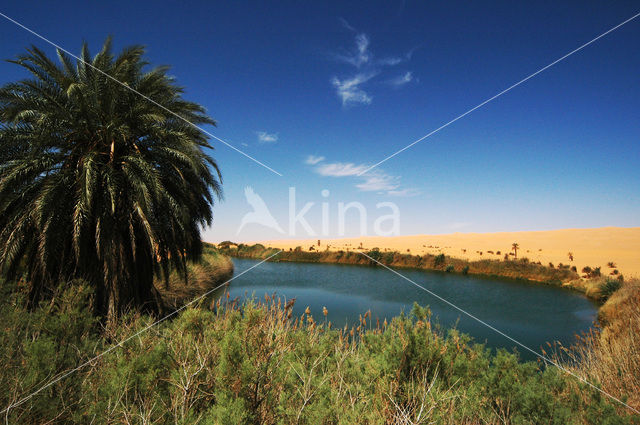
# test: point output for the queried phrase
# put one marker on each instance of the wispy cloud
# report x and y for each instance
(358, 56)
(391, 61)
(346, 24)
(401, 80)
(339, 169)
(374, 181)
(349, 90)
(313, 160)
(378, 182)
(264, 137)
(404, 193)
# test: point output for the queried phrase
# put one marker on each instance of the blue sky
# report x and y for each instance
(293, 82)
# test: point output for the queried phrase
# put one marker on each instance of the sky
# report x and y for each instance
(321, 91)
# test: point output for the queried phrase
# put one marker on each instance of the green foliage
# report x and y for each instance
(450, 268)
(438, 260)
(465, 270)
(387, 257)
(247, 364)
(98, 182)
(608, 287)
(376, 255)
(37, 345)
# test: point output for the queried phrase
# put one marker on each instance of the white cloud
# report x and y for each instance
(373, 181)
(391, 61)
(404, 192)
(362, 44)
(377, 181)
(346, 24)
(360, 55)
(401, 80)
(340, 169)
(313, 160)
(264, 137)
(349, 90)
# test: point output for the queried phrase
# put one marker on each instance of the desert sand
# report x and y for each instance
(590, 247)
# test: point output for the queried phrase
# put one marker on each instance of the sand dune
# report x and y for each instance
(590, 247)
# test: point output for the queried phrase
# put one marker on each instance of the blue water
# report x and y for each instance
(529, 313)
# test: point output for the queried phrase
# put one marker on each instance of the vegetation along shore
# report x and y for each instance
(250, 363)
(591, 282)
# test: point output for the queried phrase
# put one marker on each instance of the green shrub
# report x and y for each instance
(449, 268)
(376, 256)
(438, 260)
(465, 270)
(387, 257)
(247, 364)
(608, 287)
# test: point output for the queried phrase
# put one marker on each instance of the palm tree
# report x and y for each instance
(97, 182)
(515, 247)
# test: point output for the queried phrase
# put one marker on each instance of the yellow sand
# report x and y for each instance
(590, 247)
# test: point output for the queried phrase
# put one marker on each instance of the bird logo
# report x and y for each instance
(260, 214)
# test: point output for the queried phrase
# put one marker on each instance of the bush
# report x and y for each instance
(449, 268)
(246, 364)
(438, 260)
(608, 288)
(465, 270)
(376, 256)
(591, 273)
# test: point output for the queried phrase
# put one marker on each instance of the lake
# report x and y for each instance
(530, 313)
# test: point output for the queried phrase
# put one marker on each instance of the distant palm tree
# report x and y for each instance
(97, 182)
(515, 247)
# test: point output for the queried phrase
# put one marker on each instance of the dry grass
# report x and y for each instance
(610, 355)
(212, 270)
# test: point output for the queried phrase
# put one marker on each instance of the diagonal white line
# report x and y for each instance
(501, 93)
(121, 343)
(501, 333)
(138, 93)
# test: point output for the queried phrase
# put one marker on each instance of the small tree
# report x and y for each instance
(515, 247)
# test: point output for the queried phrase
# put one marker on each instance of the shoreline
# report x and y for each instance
(522, 270)
(213, 269)
(590, 247)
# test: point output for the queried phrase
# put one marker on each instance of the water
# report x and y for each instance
(531, 314)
